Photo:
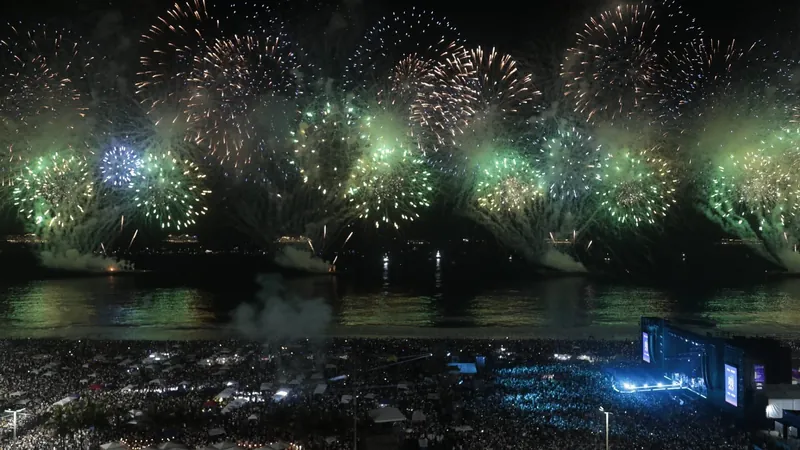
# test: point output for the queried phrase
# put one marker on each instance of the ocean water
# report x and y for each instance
(430, 304)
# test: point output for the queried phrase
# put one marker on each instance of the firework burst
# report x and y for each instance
(390, 182)
(414, 33)
(635, 187)
(54, 190)
(473, 89)
(120, 165)
(327, 144)
(171, 46)
(169, 191)
(508, 183)
(698, 70)
(40, 87)
(567, 156)
(761, 182)
(241, 89)
(613, 66)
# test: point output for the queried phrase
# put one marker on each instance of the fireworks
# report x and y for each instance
(473, 89)
(120, 165)
(41, 66)
(390, 182)
(168, 191)
(635, 187)
(696, 71)
(414, 33)
(53, 190)
(171, 46)
(760, 182)
(613, 66)
(410, 78)
(237, 91)
(567, 158)
(39, 87)
(508, 183)
(327, 143)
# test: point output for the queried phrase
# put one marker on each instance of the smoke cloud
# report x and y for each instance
(74, 260)
(562, 262)
(280, 315)
(293, 258)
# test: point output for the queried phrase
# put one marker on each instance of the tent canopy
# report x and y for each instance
(387, 415)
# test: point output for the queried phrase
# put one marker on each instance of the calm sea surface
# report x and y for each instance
(152, 307)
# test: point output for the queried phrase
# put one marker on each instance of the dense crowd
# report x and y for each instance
(85, 394)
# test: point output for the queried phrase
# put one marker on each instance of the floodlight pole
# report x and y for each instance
(9, 411)
(355, 421)
(607, 413)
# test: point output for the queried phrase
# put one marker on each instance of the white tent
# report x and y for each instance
(781, 397)
(232, 406)
(171, 446)
(418, 416)
(387, 415)
(347, 399)
(216, 432)
(265, 387)
(252, 417)
(156, 382)
(320, 389)
(115, 446)
(64, 401)
(463, 428)
(226, 393)
(226, 445)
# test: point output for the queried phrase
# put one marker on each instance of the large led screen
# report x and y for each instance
(731, 385)
(645, 347)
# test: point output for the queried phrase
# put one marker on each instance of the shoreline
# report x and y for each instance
(600, 332)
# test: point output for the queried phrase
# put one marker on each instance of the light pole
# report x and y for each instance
(607, 413)
(9, 411)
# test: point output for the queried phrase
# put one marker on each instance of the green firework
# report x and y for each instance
(169, 191)
(508, 183)
(635, 187)
(390, 182)
(53, 190)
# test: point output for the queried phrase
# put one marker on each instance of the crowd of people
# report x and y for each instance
(526, 394)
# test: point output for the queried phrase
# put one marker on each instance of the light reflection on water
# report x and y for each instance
(127, 306)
